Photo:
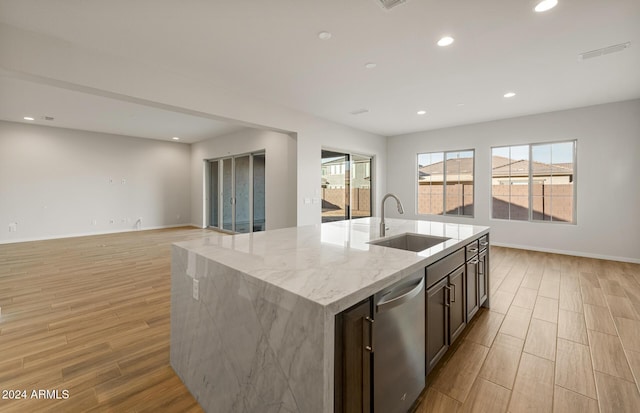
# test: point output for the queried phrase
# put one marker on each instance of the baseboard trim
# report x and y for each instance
(563, 252)
(87, 234)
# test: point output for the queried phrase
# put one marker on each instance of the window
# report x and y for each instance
(445, 183)
(345, 186)
(534, 182)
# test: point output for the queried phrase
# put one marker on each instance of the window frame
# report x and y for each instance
(444, 182)
(372, 180)
(530, 180)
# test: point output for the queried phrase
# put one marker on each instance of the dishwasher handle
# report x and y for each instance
(385, 305)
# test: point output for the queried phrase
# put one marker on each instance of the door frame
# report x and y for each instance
(372, 174)
(221, 193)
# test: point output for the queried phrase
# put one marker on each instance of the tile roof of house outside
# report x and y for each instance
(501, 166)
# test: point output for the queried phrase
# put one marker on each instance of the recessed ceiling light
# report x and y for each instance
(324, 35)
(370, 65)
(175, 138)
(545, 5)
(422, 112)
(509, 94)
(28, 118)
(445, 41)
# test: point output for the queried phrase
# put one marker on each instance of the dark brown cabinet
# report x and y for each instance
(483, 276)
(437, 327)
(456, 286)
(445, 314)
(483, 270)
(353, 359)
(472, 287)
(457, 320)
(472, 278)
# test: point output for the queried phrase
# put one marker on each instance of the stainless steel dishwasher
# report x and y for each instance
(399, 345)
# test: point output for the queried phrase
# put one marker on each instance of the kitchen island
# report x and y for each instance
(253, 315)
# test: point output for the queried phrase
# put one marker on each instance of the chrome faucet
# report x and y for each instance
(400, 210)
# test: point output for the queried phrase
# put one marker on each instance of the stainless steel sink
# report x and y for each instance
(410, 242)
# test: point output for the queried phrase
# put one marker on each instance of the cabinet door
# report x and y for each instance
(483, 276)
(472, 288)
(437, 322)
(456, 304)
(353, 355)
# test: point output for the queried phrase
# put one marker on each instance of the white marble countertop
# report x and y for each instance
(331, 264)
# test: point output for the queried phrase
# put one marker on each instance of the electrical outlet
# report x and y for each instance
(124, 181)
(94, 222)
(13, 226)
(196, 289)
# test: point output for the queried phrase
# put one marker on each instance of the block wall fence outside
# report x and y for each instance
(360, 198)
(558, 206)
(430, 198)
(29, 54)
(608, 194)
(607, 136)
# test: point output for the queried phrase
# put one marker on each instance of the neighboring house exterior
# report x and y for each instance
(551, 190)
(335, 178)
(459, 187)
(334, 174)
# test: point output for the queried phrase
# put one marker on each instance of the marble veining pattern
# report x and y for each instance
(331, 264)
(260, 335)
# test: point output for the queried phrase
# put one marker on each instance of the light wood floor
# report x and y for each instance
(91, 315)
(562, 335)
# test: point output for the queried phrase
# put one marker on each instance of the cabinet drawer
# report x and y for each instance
(442, 268)
(484, 242)
(472, 249)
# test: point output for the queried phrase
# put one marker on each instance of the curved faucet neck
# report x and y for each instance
(383, 228)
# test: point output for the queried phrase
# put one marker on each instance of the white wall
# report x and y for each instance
(280, 178)
(48, 60)
(55, 182)
(310, 165)
(608, 166)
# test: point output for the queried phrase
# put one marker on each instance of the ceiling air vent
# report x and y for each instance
(605, 50)
(389, 4)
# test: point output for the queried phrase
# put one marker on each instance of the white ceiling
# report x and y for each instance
(85, 111)
(270, 49)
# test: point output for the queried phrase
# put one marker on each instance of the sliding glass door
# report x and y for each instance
(360, 186)
(237, 193)
(335, 186)
(227, 194)
(242, 191)
(346, 186)
(258, 192)
(214, 192)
